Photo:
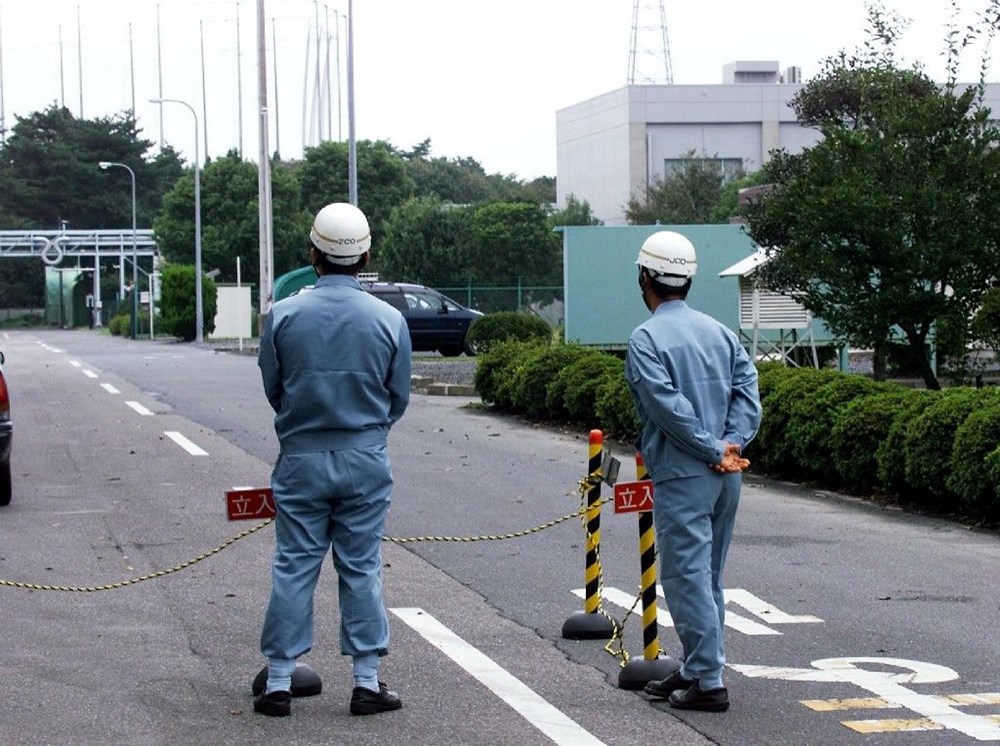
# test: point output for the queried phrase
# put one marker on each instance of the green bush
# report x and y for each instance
(495, 371)
(532, 379)
(992, 476)
(928, 446)
(502, 326)
(615, 409)
(811, 421)
(119, 325)
(580, 382)
(859, 428)
(890, 454)
(177, 301)
(769, 375)
(771, 450)
(975, 440)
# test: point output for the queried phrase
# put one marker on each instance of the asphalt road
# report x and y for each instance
(848, 623)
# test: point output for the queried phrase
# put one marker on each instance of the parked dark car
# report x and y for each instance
(6, 435)
(435, 321)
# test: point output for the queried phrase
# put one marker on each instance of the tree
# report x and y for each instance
(178, 302)
(425, 241)
(686, 196)
(230, 219)
(891, 223)
(575, 212)
(511, 241)
(49, 172)
(383, 181)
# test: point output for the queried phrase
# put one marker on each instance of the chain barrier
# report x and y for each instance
(585, 484)
(132, 581)
(615, 646)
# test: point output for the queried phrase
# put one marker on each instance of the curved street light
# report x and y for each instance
(199, 322)
(133, 333)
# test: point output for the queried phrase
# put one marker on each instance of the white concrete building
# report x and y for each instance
(610, 147)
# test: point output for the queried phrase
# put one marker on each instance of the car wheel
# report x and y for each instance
(451, 351)
(469, 347)
(5, 485)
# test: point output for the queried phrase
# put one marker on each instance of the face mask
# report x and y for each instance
(642, 289)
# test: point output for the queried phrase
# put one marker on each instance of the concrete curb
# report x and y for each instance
(425, 385)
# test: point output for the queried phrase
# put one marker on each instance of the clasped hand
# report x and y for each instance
(732, 461)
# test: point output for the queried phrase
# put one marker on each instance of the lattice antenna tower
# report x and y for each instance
(649, 52)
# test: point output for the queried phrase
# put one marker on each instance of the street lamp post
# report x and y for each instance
(199, 322)
(133, 333)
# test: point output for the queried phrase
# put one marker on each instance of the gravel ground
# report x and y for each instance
(427, 365)
(445, 370)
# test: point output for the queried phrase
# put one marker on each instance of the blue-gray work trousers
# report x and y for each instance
(334, 501)
(694, 519)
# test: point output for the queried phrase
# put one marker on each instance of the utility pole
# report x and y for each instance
(264, 173)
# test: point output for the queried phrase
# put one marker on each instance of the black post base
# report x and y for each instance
(305, 681)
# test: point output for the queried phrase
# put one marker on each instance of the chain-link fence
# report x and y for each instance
(543, 300)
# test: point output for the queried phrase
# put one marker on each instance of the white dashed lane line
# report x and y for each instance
(109, 388)
(186, 444)
(139, 408)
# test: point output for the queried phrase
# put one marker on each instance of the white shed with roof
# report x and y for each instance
(786, 323)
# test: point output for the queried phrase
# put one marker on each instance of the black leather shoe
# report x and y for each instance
(366, 702)
(275, 705)
(661, 689)
(693, 698)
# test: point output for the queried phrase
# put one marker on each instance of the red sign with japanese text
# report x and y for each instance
(634, 497)
(250, 504)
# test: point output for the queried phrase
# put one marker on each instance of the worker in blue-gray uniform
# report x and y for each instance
(335, 362)
(695, 390)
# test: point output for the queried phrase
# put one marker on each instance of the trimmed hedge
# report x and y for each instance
(975, 440)
(615, 409)
(928, 445)
(771, 451)
(533, 379)
(811, 420)
(859, 428)
(580, 382)
(502, 326)
(890, 456)
(932, 449)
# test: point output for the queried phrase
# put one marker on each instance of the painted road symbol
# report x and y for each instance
(736, 596)
(936, 712)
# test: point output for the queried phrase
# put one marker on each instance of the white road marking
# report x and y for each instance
(550, 721)
(184, 443)
(109, 388)
(888, 686)
(76, 363)
(736, 621)
(764, 610)
(139, 408)
(89, 373)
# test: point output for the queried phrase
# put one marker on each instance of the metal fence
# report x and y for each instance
(543, 300)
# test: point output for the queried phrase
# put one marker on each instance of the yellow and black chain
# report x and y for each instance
(141, 578)
(232, 540)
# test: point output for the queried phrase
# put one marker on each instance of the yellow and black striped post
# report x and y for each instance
(591, 624)
(637, 673)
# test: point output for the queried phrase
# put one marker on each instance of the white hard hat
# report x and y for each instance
(341, 232)
(669, 257)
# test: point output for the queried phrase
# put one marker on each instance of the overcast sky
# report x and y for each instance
(479, 79)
